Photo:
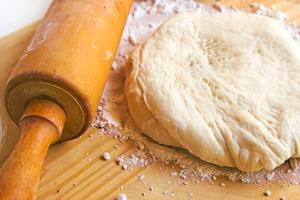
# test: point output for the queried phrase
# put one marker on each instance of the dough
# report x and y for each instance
(226, 87)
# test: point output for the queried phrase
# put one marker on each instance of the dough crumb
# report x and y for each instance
(132, 39)
(141, 178)
(267, 193)
(108, 55)
(151, 188)
(124, 167)
(190, 194)
(122, 197)
(174, 173)
(106, 156)
(222, 184)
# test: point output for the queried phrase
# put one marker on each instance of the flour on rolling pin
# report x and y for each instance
(114, 120)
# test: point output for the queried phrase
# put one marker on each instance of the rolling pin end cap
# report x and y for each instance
(21, 92)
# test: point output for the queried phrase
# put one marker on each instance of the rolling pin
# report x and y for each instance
(56, 86)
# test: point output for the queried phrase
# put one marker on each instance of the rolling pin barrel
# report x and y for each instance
(68, 60)
(63, 72)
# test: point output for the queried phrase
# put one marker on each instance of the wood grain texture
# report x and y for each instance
(78, 161)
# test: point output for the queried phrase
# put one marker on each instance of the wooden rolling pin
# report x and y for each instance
(57, 84)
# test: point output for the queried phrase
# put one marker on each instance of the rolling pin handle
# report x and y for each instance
(41, 125)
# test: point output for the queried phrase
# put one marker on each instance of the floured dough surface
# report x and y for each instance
(226, 87)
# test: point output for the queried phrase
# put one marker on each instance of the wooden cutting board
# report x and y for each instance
(74, 171)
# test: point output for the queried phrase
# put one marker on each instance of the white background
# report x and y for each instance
(15, 14)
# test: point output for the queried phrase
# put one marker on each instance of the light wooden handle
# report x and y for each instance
(41, 125)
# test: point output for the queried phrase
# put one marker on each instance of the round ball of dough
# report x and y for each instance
(226, 87)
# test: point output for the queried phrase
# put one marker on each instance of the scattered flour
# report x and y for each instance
(260, 9)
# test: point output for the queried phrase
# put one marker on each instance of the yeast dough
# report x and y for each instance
(226, 87)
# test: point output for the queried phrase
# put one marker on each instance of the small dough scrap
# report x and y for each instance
(226, 87)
